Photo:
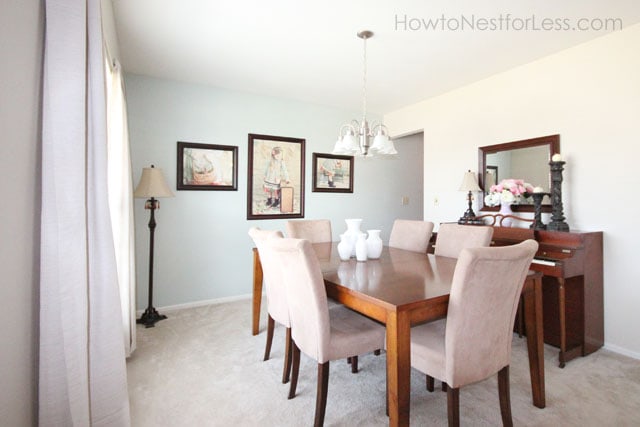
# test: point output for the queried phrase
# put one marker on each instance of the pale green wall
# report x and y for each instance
(202, 249)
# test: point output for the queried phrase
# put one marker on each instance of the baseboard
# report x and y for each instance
(623, 351)
(201, 303)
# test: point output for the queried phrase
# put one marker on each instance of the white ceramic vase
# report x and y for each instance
(344, 247)
(353, 231)
(505, 209)
(374, 244)
(361, 247)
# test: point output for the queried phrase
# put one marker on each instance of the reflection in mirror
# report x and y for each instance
(490, 173)
(520, 163)
(526, 159)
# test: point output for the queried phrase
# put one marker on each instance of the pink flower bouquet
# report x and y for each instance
(509, 191)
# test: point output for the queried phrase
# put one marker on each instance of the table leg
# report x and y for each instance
(563, 322)
(535, 337)
(398, 367)
(257, 291)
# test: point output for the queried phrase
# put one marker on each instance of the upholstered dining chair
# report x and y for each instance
(474, 341)
(314, 230)
(452, 238)
(411, 235)
(277, 306)
(319, 332)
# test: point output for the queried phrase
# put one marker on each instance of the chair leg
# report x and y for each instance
(321, 393)
(444, 386)
(287, 357)
(354, 364)
(453, 406)
(295, 367)
(505, 396)
(520, 317)
(376, 352)
(429, 382)
(270, 327)
(386, 389)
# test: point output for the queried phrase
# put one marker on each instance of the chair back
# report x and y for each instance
(313, 230)
(452, 238)
(483, 301)
(411, 235)
(272, 275)
(306, 296)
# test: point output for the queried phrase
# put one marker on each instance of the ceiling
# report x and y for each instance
(308, 50)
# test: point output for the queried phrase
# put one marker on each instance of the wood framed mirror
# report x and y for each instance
(526, 159)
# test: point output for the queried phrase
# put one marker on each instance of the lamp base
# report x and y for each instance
(470, 221)
(150, 317)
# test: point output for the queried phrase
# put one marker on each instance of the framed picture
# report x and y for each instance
(207, 167)
(332, 173)
(275, 183)
(490, 178)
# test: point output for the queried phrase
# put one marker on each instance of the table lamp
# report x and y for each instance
(152, 184)
(469, 184)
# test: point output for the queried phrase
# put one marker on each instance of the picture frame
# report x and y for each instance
(491, 178)
(207, 167)
(332, 173)
(275, 181)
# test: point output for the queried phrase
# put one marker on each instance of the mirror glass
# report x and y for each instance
(526, 159)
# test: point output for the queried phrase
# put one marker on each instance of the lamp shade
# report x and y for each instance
(469, 182)
(152, 184)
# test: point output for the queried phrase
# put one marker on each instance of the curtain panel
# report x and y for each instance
(82, 371)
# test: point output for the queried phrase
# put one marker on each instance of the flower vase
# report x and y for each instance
(353, 231)
(505, 209)
(374, 244)
(361, 247)
(344, 247)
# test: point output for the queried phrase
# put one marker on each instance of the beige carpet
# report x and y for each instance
(202, 367)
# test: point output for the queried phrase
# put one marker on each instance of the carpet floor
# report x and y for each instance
(202, 367)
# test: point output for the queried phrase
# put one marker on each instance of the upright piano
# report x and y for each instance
(573, 303)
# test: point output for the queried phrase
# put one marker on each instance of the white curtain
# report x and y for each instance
(120, 188)
(82, 371)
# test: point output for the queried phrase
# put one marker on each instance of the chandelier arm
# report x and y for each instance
(375, 126)
(349, 126)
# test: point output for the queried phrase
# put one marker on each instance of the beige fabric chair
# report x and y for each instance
(318, 332)
(314, 230)
(411, 235)
(452, 238)
(474, 341)
(277, 306)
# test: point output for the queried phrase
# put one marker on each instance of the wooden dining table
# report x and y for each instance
(402, 289)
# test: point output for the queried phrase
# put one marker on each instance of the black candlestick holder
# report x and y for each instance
(557, 216)
(537, 211)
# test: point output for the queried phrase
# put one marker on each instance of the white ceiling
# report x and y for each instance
(308, 50)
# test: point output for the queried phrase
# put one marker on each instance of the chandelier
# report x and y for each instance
(355, 137)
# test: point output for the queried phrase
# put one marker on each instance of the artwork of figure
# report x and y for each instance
(275, 175)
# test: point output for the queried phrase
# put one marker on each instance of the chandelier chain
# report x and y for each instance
(364, 81)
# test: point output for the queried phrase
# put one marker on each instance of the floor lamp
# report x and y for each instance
(151, 185)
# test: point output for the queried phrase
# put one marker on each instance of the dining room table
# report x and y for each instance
(402, 289)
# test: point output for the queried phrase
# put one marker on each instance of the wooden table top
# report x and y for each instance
(398, 278)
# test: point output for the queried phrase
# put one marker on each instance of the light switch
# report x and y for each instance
(405, 200)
